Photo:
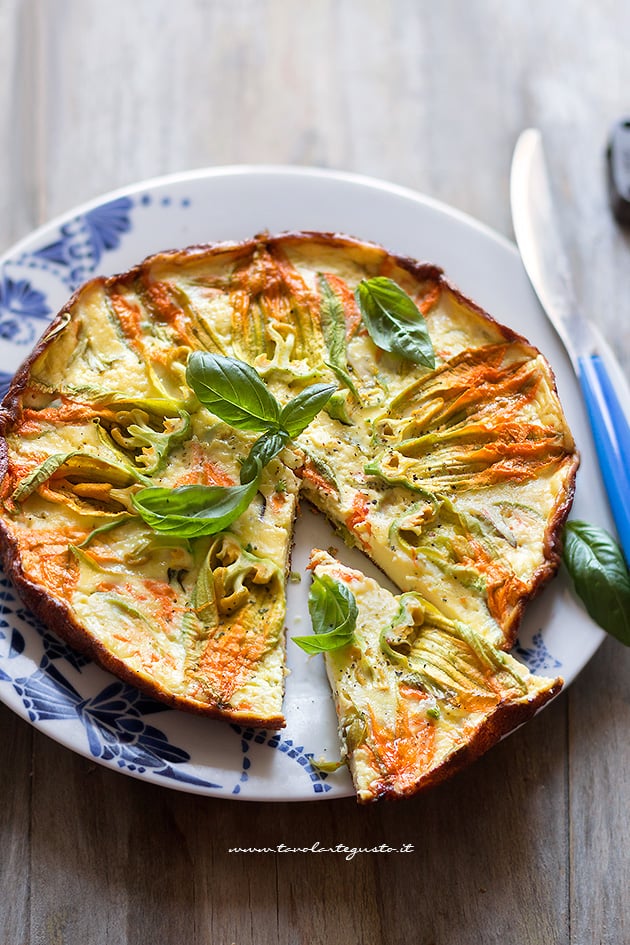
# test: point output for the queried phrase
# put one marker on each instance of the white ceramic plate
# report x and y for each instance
(91, 712)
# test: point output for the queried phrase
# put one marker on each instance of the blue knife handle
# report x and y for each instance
(611, 432)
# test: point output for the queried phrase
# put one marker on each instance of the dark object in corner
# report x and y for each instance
(618, 170)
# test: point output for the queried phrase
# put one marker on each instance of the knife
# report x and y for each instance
(605, 389)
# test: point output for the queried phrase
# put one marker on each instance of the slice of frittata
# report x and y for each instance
(418, 695)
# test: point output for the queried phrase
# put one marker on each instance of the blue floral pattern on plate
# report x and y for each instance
(255, 736)
(83, 241)
(537, 657)
(114, 724)
(5, 382)
(19, 303)
(71, 258)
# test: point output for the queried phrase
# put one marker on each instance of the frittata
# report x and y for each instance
(453, 470)
(418, 695)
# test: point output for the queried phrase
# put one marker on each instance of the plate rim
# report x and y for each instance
(271, 170)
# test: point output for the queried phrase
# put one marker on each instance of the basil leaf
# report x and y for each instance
(394, 321)
(333, 321)
(333, 611)
(262, 452)
(600, 576)
(233, 391)
(299, 412)
(191, 511)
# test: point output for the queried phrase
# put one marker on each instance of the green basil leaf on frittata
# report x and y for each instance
(262, 452)
(233, 391)
(394, 321)
(191, 511)
(333, 610)
(299, 412)
(600, 576)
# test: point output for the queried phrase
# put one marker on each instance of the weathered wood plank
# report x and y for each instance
(80, 839)
(16, 739)
(599, 800)
(20, 90)
(17, 216)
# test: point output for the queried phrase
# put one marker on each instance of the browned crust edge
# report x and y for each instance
(58, 617)
(553, 544)
(505, 719)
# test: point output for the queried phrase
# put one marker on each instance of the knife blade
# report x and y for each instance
(604, 386)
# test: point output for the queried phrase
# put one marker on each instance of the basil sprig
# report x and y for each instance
(299, 412)
(235, 393)
(600, 576)
(262, 452)
(394, 321)
(333, 610)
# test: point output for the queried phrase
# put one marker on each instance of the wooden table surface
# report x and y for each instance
(530, 844)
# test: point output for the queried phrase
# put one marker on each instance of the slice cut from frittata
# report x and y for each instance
(418, 695)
